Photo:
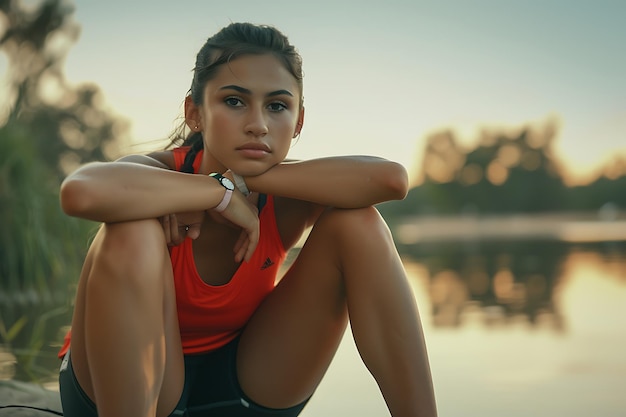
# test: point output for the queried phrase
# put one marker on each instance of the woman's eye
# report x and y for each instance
(233, 101)
(277, 107)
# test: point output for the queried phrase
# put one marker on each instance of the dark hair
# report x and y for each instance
(233, 41)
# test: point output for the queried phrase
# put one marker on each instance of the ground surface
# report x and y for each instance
(15, 393)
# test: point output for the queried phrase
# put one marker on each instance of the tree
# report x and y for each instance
(67, 125)
(48, 128)
(515, 172)
(504, 172)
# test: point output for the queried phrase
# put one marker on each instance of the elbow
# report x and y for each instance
(75, 198)
(398, 182)
(81, 193)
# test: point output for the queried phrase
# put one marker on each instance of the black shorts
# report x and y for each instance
(211, 389)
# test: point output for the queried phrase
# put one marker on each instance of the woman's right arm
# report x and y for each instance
(122, 191)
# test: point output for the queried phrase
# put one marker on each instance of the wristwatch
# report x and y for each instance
(230, 187)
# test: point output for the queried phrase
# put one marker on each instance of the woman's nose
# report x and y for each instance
(257, 123)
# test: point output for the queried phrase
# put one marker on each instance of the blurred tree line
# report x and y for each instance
(47, 128)
(506, 172)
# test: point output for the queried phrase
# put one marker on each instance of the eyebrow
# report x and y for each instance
(243, 90)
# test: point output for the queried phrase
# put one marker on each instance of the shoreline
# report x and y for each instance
(563, 227)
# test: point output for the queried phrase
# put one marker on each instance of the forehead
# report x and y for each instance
(257, 73)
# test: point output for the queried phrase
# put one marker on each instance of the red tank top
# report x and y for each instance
(211, 316)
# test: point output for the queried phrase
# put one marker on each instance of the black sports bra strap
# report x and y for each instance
(261, 203)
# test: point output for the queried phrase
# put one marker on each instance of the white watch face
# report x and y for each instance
(228, 184)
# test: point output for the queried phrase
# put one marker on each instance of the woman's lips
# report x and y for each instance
(254, 150)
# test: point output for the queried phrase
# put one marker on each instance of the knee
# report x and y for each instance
(130, 249)
(357, 224)
(135, 239)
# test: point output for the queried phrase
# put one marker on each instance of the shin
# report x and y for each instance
(126, 341)
(383, 313)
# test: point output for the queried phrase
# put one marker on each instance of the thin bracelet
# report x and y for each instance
(241, 184)
(225, 200)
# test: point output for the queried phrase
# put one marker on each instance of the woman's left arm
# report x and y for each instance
(342, 181)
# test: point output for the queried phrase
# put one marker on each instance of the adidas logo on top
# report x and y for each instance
(268, 262)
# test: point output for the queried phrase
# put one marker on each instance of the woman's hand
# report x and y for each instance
(179, 226)
(243, 214)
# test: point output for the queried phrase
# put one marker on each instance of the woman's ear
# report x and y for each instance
(192, 115)
(299, 123)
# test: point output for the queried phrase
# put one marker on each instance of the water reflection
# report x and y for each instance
(523, 328)
(556, 349)
(499, 282)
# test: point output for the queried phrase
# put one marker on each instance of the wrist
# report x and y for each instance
(228, 185)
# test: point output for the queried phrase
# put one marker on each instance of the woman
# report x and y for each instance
(178, 309)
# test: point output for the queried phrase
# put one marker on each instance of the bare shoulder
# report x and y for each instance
(293, 217)
(160, 159)
(165, 157)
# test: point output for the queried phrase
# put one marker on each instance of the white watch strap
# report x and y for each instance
(241, 184)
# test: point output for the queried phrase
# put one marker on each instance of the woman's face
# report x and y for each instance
(248, 116)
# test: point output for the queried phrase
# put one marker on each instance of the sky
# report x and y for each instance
(380, 76)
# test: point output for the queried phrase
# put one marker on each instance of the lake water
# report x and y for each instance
(522, 328)
(512, 328)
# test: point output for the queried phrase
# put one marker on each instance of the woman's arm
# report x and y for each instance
(343, 182)
(122, 191)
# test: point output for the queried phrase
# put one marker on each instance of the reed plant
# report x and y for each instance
(41, 251)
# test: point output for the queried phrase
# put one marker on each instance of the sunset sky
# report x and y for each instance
(381, 76)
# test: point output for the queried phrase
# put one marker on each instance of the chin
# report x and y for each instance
(253, 168)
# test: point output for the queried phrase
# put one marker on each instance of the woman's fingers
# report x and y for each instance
(165, 222)
(193, 230)
(242, 213)
(246, 243)
(253, 240)
(241, 242)
(176, 230)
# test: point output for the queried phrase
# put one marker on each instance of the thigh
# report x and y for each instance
(291, 339)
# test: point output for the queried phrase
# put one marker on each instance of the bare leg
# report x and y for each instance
(349, 260)
(126, 348)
